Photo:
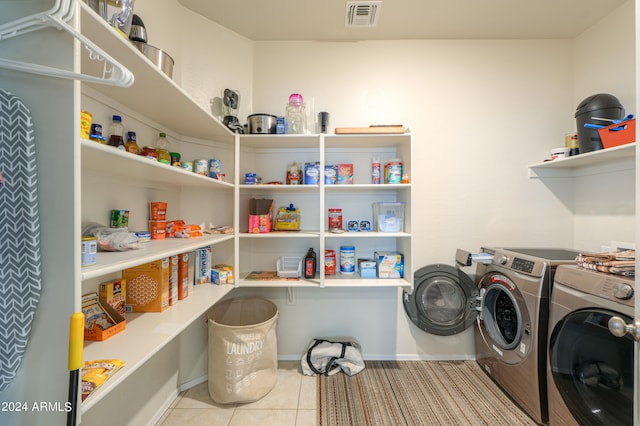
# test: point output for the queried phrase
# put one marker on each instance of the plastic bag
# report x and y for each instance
(112, 239)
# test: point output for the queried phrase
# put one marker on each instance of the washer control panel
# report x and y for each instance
(522, 265)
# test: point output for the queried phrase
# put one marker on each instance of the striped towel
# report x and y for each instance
(614, 262)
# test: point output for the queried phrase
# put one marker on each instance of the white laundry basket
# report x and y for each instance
(243, 353)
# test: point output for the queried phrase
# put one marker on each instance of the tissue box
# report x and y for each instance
(389, 264)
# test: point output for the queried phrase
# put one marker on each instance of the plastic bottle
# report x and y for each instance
(131, 145)
(296, 115)
(375, 170)
(116, 133)
(310, 264)
(162, 147)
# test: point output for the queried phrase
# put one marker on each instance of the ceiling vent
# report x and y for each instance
(362, 14)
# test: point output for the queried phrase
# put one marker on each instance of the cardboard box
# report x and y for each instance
(367, 268)
(260, 215)
(228, 269)
(389, 264)
(115, 294)
(219, 276)
(345, 174)
(173, 280)
(203, 266)
(97, 333)
(183, 275)
(148, 286)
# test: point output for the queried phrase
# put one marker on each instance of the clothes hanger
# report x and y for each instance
(113, 73)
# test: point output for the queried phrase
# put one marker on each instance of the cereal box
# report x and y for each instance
(183, 275)
(148, 286)
(173, 280)
(345, 174)
(114, 293)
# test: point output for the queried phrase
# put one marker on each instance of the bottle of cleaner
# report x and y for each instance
(375, 170)
(310, 264)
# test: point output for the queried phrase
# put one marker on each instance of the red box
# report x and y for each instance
(625, 133)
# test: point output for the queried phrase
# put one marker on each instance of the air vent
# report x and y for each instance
(362, 13)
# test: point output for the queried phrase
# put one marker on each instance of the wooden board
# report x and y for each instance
(393, 129)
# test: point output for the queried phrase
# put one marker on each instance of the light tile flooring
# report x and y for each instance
(292, 402)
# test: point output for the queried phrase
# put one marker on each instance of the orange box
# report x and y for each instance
(158, 229)
(625, 133)
(99, 334)
(158, 210)
(114, 293)
(183, 275)
(148, 286)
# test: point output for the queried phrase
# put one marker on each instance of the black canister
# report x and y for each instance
(602, 105)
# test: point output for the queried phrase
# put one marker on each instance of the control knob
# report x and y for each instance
(622, 291)
(503, 260)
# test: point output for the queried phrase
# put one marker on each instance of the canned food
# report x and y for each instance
(347, 259)
(335, 219)
(85, 124)
(200, 167)
(187, 165)
(214, 168)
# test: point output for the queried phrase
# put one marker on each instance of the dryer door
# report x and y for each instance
(592, 369)
(443, 300)
(504, 324)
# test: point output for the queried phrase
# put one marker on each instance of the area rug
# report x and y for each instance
(415, 393)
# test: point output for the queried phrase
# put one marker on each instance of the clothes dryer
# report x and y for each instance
(590, 371)
(508, 303)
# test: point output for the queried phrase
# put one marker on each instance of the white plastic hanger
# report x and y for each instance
(113, 73)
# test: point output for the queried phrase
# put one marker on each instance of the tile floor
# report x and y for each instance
(292, 402)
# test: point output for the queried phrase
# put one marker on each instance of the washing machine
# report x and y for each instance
(508, 305)
(590, 370)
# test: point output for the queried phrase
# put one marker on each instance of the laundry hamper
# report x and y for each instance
(243, 353)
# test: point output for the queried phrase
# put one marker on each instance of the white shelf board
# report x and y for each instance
(108, 262)
(354, 280)
(153, 92)
(107, 159)
(280, 234)
(589, 159)
(367, 187)
(146, 334)
(366, 234)
(273, 141)
(277, 283)
(284, 188)
(366, 140)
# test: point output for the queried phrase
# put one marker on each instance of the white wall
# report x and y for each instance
(480, 112)
(604, 204)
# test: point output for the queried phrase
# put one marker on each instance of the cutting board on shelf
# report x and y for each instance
(373, 129)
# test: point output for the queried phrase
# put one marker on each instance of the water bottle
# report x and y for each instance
(296, 115)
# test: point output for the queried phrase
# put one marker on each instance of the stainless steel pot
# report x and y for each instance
(160, 58)
(262, 123)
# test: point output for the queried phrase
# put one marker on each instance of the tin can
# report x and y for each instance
(214, 168)
(347, 259)
(335, 219)
(175, 158)
(85, 124)
(200, 167)
(187, 165)
(89, 250)
(393, 171)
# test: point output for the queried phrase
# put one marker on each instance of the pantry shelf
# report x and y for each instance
(280, 234)
(152, 91)
(146, 334)
(108, 262)
(343, 281)
(567, 166)
(104, 158)
(367, 234)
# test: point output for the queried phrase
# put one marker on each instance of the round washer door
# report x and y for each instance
(592, 369)
(443, 300)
